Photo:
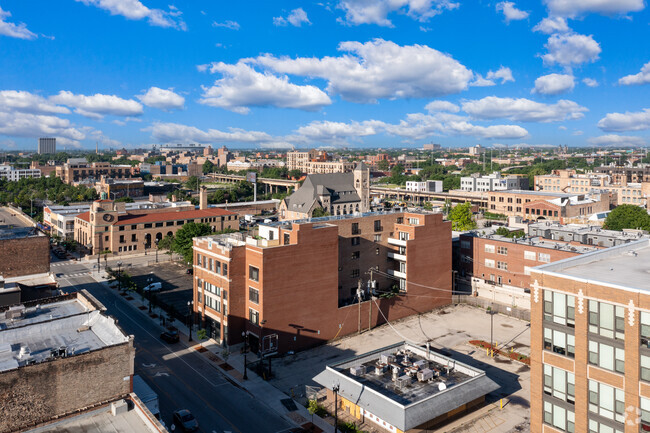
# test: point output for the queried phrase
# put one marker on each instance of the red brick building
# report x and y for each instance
(590, 342)
(300, 280)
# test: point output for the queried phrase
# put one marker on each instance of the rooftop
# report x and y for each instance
(586, 229)
(537, 241)
(539, 193)
(625, 266)
(18, 232)
(70, 325)
(406, 384)
(170, 216)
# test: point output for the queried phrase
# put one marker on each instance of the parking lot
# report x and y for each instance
(449, 329)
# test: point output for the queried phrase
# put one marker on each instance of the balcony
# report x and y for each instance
(397, 274)
(397, 242)
(396, 256)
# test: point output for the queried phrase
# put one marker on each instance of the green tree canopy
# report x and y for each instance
(627, 216)
(208, 167)
(182, 243)
(295, 173)
(193, 183)
(319, 212)
(461, 217)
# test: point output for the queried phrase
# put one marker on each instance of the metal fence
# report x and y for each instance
(506, 310)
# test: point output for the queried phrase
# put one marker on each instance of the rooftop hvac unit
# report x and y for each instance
(358, 371)
(424, 375)
(15, 312)
(402, 382)
(387, 359)
(421, 364)
(380, 369)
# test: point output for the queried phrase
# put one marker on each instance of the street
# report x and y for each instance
(182, 377)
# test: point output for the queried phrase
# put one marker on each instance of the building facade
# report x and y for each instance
(46, 146)
(590, 339)
(426, 186)
(110, 226)
(316, 162)
(300, 280)
(493, 182)
(79, 169)
(9, 173)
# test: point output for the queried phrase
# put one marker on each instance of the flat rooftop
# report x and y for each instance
(18, 233)
(102, 421)
(587, 229)
(625, 266)
(37, 333)
(539, 193)
(405, 384)
(537, 241)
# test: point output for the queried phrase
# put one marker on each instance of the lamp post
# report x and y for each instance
(156, 241)
(491, 312)
(189, 307)
(336, 388)
(245, 335)
(149, 281)
(119, 276)
(144, 244)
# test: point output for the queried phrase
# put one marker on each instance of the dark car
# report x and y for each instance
(190, 271)
(170, 336)
(185, 421)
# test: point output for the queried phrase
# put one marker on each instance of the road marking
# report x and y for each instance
(152, 365)
(161, 374)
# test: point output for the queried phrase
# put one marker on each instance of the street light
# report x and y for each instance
(144, 244)
(491, 312)
(157, 240)
(189, 307)
(119, 276)
(245, 335)
(149, 281)
(336, 388)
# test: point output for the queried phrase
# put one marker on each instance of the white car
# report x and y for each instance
(153, 287)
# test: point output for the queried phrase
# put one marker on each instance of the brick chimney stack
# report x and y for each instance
(203, 198)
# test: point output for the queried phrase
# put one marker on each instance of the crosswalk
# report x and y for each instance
(76, 274)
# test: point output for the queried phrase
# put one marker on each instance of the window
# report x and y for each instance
(211, 265)
(355, 229)
(253, 295)
(606, 320)
(355, 255)
(414, 221)
(489, 248)
(502, 265)
(560, 342)
(198, 259)
(645, 413)
(148, 226)
(134, 238)
(355, 240)
(377, 238)
(559, 308)
(122, 239)
(253, 316)
(530, 255)
(544, 258)
(489, 263)
(378, 227)
(355, 273)
(122, 228)
(159, 224)
(134, 227)
(559, 383)
(559, 417)
(606, 356)
(645, 368)
(527, 270)
(169, 223)
(645, 329)
(217, 266)
(596, 427)
(403, 236)
(225, 270)
(465, 245)
(607, 401)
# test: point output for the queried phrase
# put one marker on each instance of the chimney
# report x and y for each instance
(174, 198)
(203, 198)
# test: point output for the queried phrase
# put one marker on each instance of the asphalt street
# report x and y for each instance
(183, 378)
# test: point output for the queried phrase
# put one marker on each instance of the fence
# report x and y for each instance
(506, 310)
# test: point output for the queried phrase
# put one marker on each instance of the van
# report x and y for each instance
(153, 287)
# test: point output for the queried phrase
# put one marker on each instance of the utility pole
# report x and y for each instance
(336, 388)
(359, 302)
(370, 288)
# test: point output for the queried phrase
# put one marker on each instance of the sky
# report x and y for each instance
(355, 73)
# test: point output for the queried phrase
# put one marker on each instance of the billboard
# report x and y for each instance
(251, 176)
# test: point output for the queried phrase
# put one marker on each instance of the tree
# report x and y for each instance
(208, 167)
(383, 165)
(125, 199)
(296, 174)
(319, 212)
(166, 243)
(461, 217)
(193, 183)
(627, 216)
(183, 240)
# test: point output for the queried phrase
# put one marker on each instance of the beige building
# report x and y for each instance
(110, 226)
(315, 162)
(78, 169)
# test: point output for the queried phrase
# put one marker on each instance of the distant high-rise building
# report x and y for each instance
(46, 146)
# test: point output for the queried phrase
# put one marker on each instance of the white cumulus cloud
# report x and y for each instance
(339, 132)
(135, 10)
(20, 124)
(242, 87)
(178, 133)
(590, 82)
(232, 25)
(504, 74)
(617, 140)
(12, 30)
(163, 99)
(98, 105)
(571, 49)
(19, 100)
(377, 11)
(510, 11)
(442, 106)
(551, 25)
(573, 8)
(379, 69)
(296, 18)
(643, 77)
(522, 109)
(554, 84)
(628, 121)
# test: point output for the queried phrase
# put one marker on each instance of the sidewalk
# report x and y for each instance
(232, 366)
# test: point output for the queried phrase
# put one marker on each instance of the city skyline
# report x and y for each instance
(342, 73)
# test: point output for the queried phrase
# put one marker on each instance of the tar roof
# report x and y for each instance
(171, 216)
(18, 232)
(407, 401)
(626, 266)
(41, 332)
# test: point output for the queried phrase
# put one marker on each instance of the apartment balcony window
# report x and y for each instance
(253, 316)
(355, 229)
(378, 226)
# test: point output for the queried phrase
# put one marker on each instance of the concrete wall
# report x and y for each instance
(33, 394)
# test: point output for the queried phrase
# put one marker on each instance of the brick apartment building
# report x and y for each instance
(300, 279)
(541, 205)
(590, 342)
(78, 169)
(110, 225)
(618, 174)
(119, 188)
(23, 251)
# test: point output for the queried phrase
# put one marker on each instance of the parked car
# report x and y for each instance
(185, 421)
(153, 287)
(170, 336)
(190, 271)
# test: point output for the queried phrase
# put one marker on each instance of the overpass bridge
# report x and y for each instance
(400, 194)
(272, 184)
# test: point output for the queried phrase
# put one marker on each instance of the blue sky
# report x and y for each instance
(358, 73)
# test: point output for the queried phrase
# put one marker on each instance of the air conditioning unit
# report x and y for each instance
(358, 371)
